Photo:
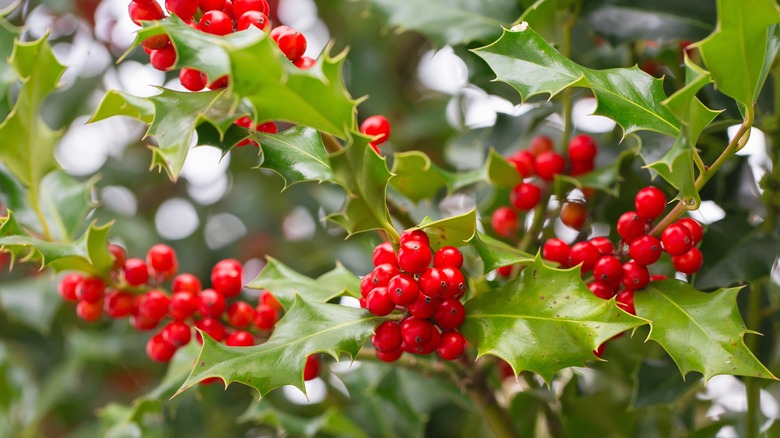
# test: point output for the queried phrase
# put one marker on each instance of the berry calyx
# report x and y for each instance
(635, 276)
(414, 257)
(450, 314)
(694, 227)
(403, 289)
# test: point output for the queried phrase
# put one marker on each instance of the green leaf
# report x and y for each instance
(501, 172)
(702, 332)
(546, 16)
(495, 253)
(364, 176)
(332, 422)
(307, 328)
(7, 77)
(543, 321)
(684, 104)
(449, 22)
(31, 301)
(285, 283)
(118, 103)
(27, 149)
(676, 167)
(524, 60)
(88, 254)
(296, 154)
(736, 51)
(451, 231)
(415, 176)
(65, 203)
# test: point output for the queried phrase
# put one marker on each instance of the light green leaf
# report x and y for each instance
(7, 76)
(296, 154)
(450, 22)
(119, 103)
(65, 203)
(30, 301)
(543, 321)
(285, 283)
(332, 422)
(501, 172)
(415, 176)
(736, 51)
(702, 332)
(307, 328)
(676, 167)
(451, 231)
(524, 60)
(495, 253)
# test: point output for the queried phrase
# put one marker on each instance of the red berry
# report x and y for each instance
(677, 239)
(415, 236)
(366, 284)
(269, 299)
(256, 19)
(694, 227)
(379, 302)
(240, 314)
(582, 148)
(89, 312)
(548, 164)
(625, 300)
(67, 286)
(556, 250)
(525, 196)
(119, 254)
(226, 280)
(414, 257)
(177, 333)
(119, 304)
(153, 304)
(574, 214)
(240, 338)
(630, 226)
(645, 250)
(182, 305)
(608, 270)
(387, 337)
(186, 283)
(227, 264)
(161, 259)
(156, 42)
(277, 31)
(424, 306)
(191, 79)
(390, 356)
(650, 203)
(136, 272)
(142, 322)
(211, 327)
(384, 253)
(163, 59)
(376, 126)
(305, 63)
(185, 9)
(599, 352)
(635, 276)
(601, 290)
(211, 5)
(220, 82)
(293, 45)
(211, 304)
(382, 274)
(504, 271)
(216, 23)
(91, 289)
(451, 345)
(240, 7)
(585, 253)
(269, 127)
(603, 244)
(658, 277)
(450, 314)
(159, 350)
(432, 345)
(312, 368)
(456, 283)
(416, 332)
(449, 256)
(144, 12)
(524, 163)
(403, 289)
(266, 317)
(688, 263)
(504, 221)
(433, 282)
(581, 167)
(540, 144)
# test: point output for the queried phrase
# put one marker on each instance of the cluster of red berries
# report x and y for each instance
(625, 267)
(216, 17)
(541, 160)
(378, 127)
(134, 289)
(428, 296)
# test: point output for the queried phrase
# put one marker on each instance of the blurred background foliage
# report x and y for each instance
(62, 377)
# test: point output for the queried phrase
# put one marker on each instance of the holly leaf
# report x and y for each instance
(543, 321)
(307, 328)
(7, 76)
(684, 104)
(296, 154)
(27, 149)
(65, 203)
(364, 176)
(88, 254)
(332, 422)
(736, 52)
(285, 283)
(495, 253)
(676, 167)
(524, 60)
(448, 22)
(415, 176)
(702, 332)
(451, 231)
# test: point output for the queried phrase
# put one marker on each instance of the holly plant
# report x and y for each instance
(455, 218)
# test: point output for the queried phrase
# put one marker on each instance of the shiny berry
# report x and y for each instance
(265, 316)
(414, 257)
(185, 9)
(650, 202)
(608, 270)
(186, 283)
(379, 302)
(211, 304)
(688, 263)
(382, 274)
(424, 306)
(540, 144)
(158, 350)
(161, 259)
(694, 227)
(182, 305)
(677, 239)
(376, 126)
(416, 332)
(89, 312)
(239, 338)
(269, 299)
(91, 289)
(211, 327)
(163, 59)
(645, 250)
(635, 276)
(177, 333)
(448, 256)
(601, 290)
(119, 254)
(524, 163)
(226, 280)
(67, 286)
(312, 368)
(256, 19)
(603, 244)
(144, 12)
(384, 253)
(450, 314)
(240, 7)
(433, 282)
(216, 23)
(211, 5)
(585, 253)
(415, 236)
(293, 45)
(504, 221)
(630, 226)
(548, 164)
(432, 345)
(456, 283)
(403, 289)
(119, 304)
(191, 79)
(153, 304)
(451, 345)
(390, 356)
(240, 314)
(525, 196)
(574, 214)
(387, 336)
(305, 63)
(625, 300)
(142, 322)
(582, 148)
(556, 250)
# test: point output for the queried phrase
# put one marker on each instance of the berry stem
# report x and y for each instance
(536, 225)
(35, 201)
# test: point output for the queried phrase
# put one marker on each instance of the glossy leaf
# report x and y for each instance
(449, 22)
(524, 60)
(27, 149)
(415, 176)
(7, 76)
(702, 332)
(65, 203)
(495, 253)
(296, 154)
(551, 317)
(676, 167)
(735, 52)
(307, 328)
(285, 283)
(364, 176)
(452, 231)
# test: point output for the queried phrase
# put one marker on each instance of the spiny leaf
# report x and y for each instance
(702, 332)
(495, 253)
(7, 76)
(543, 321)
(447, 21)
(87, 254)
(524, 60)
(676, 167)
(684, 104)
(27, 149)
(364, 176)
(296, 154)
(307, 328)
(451, 231)
(285, 283)
(736, 52)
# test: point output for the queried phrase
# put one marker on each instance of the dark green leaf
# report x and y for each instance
(296, 154)
(307, 328)
(676, 167)
(415, 176)
(285, 283)
(702, 332)
(543, 321)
